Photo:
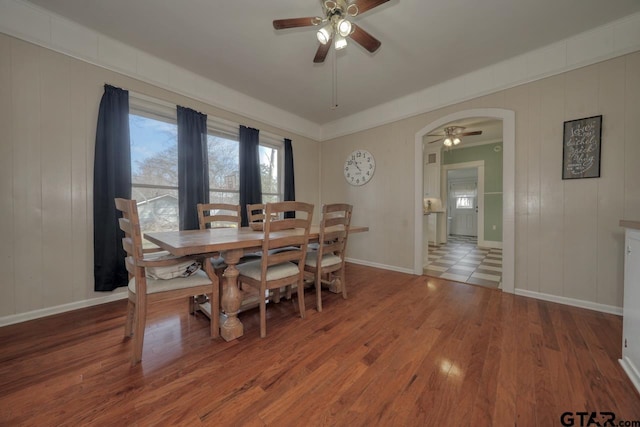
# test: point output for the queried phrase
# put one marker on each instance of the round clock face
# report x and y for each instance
(359, 167)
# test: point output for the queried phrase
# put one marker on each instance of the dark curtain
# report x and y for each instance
(250, 183)
(111, 179)
(193, 166)
(289, 180)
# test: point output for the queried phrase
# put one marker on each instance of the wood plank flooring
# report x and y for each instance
(402, 350)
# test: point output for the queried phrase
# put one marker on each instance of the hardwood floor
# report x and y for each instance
(402, 350)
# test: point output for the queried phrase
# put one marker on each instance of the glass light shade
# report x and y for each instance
(344, 27)
(341, 42)
(456, 141)
(324, 34)
(448, 142)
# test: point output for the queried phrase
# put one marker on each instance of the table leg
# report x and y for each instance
(231, 297)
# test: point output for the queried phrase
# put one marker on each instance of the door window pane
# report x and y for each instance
(464, 203)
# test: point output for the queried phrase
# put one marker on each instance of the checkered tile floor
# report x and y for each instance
(461, 260)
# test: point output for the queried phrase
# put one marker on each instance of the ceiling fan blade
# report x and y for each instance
(281, 24)
(365, 39)
(435, 134)
(435, 140)
(364, 5)
(322, 51)
(475, 132)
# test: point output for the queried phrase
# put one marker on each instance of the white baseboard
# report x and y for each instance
(632, 373)
(382, 266)
(43, 312)
(604, 308)
(492, 244)
(118, 295)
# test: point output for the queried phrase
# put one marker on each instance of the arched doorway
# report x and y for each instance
(508, 187)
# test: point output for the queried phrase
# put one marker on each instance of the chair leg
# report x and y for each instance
(263, 314)
(301, 297)
(214, 301)
(138, 334)
(192, 305)
(128, 326)
(319, 289)
(343, 283)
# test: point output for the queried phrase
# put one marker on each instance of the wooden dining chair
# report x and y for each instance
(145, 286)
(255, 212)
(328, 260)
(218, 215)
(279, 269)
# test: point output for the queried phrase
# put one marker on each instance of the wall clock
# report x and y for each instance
(359, 167)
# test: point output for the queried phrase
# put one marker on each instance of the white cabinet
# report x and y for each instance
(631, 313)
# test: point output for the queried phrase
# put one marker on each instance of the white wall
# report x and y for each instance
(568, 242)
(48, 114)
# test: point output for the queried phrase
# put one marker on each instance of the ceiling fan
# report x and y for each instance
(453, 135)
(336, 25)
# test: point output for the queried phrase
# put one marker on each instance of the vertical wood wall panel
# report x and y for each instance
(551, 188)
(7, 291)
(533, 186)
(632, 138)
(610, 238)
(581, 197)
(27, 182)
(78, 110)
(57, 261)
(517, 99)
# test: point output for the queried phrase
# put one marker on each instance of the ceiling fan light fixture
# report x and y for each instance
(330, 5)
(324, 34)
(456, 141)
(344, 27)
(341, 42)
(448, 142)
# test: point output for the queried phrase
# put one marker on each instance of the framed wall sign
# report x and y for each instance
(581, 148)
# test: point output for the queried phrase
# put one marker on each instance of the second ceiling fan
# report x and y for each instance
(453, 135)
(336, 25)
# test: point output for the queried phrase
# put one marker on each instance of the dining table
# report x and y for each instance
(232, 244)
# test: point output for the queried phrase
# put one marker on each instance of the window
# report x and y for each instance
(154, 163)
(464, 202)
(224, 168)
(464, 193)
(270, 173)
(154, 171)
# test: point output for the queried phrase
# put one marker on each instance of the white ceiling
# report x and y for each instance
(424, 43)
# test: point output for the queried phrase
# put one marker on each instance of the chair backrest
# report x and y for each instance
(132, 241)
(218, 215)
(255, 212)
(334, 229)
(286, 232)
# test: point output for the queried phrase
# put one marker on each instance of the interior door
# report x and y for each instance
(464, 210)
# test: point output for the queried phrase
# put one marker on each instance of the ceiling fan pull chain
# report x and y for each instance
(334, 103)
